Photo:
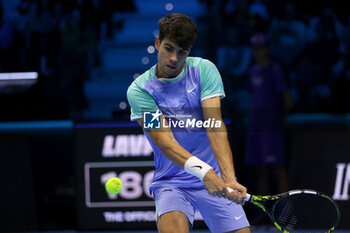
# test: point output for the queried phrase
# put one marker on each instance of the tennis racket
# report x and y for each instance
(299, 211)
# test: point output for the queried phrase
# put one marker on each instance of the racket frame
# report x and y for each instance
(256, 200)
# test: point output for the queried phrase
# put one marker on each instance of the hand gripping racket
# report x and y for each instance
(299, 211)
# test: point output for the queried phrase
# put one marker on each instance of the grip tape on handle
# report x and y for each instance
(247, 197)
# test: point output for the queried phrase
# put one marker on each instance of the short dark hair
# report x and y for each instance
(178, 28)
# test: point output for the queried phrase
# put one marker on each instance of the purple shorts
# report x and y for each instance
(264, 149)
(220, 215)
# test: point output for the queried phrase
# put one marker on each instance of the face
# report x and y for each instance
(260, 52)
(171, 58)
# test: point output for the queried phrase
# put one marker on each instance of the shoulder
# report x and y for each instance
(199, 62)
(206, 68)
(139, 83)
(138, 98)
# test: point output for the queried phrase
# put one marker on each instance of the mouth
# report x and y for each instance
(171, 67)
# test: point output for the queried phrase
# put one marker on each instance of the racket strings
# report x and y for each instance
(286, 218)
(305, 211)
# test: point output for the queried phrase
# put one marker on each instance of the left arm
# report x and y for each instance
(221, 148)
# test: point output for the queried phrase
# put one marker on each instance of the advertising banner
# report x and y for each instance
(106, 150)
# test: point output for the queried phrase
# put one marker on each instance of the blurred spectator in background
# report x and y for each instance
(43, 27)
(259, 15)
(271, 100)
(209, 24)
(288, 36)
(310, 39)
(340, 86)
(313, 73)
(233, 59)
(7, 46)
(78, 42)
(237, 14)
(6, 31)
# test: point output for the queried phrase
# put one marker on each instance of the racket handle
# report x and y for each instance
(247, 197)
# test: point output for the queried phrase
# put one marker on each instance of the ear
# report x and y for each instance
(157, 43)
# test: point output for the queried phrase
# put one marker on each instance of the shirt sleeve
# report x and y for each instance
(139, 101)
(211, 82)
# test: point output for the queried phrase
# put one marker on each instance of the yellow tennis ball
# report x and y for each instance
(113, 185)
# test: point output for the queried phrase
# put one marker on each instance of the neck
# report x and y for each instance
(161, 74)
(264, 62)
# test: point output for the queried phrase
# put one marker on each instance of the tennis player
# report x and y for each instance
(194, 164)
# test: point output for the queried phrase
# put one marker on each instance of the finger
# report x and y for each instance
(241, 199)
(241, 191)
(232, 193)
(216, 194)
(236, 196)
(212, 193)
(244, 191)
(221, 193)
(239, 195)
(230, 190)
(225, 193)
(240, 202)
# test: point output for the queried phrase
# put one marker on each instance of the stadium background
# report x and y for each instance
(68, 129)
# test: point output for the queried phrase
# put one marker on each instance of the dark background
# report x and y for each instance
(88, 52)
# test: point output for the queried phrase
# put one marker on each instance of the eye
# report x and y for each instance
(169, 49)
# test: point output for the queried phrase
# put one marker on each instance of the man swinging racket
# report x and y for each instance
(177, 102)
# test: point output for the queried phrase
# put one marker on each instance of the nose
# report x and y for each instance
(173, 57)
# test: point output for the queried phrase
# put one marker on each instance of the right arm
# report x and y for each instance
(170, 148)
(167, 144)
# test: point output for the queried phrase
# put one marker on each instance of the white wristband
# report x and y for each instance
(196, 167)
